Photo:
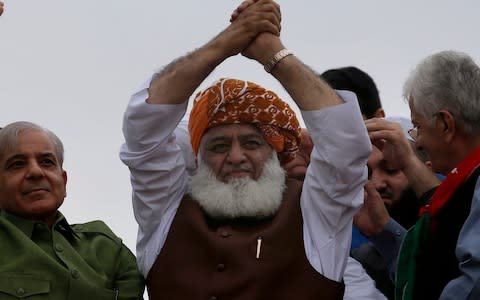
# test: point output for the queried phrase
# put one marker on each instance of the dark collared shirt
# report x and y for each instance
(67, 262)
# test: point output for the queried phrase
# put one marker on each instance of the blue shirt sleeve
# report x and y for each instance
(388, 243)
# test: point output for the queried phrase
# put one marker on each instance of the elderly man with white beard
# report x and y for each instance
(240, 228)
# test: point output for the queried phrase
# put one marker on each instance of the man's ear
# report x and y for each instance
(446, 120)
(64, 176)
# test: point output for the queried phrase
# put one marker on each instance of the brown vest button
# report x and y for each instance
(213, 298)
(220, 267)
(225, 234)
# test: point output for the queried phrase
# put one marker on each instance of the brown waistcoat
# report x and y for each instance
(216, 259)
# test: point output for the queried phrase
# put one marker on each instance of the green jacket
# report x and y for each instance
(68, 262)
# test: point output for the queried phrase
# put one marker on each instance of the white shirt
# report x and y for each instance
(358, 284)
(333, 188)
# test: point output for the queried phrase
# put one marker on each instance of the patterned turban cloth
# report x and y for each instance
(232, 101)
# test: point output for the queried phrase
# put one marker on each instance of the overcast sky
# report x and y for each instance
(71, 66)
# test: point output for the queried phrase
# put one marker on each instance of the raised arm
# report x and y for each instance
(179, 80)
(305, 87)
(333, 186)
(159, 169)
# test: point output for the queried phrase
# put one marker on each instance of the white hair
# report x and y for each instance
(446, 80)
(241, 197)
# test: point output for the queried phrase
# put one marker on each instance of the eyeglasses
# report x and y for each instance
(413, 132)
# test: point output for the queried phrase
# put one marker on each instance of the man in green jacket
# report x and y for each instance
(42, 256)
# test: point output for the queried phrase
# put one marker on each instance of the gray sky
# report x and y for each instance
(71, 66)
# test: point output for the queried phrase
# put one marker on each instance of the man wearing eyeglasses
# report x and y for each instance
(440, 256)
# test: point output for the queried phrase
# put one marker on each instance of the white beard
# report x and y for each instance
(241, 197)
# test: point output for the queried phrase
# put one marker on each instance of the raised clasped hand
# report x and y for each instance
(260, 20)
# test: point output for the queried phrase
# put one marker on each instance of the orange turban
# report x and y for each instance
(230, 101)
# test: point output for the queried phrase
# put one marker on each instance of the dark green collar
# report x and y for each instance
(27, 226)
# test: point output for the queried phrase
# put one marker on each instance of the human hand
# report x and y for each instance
(297, 167)
(240, 9)
(250, 19)
(266, 44)
(267, 5)
(389, 137)
(1, 8)
(263, 48)
(373, 215)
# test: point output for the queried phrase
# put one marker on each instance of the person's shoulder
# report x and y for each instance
(96, 227)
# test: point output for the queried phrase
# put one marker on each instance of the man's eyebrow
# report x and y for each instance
(23, 156)
(226, 138)
(15, 156)
(250, 135)
(220, 138)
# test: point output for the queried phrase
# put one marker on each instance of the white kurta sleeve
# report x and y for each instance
(158, 170)
(333, 186)
(358, 284)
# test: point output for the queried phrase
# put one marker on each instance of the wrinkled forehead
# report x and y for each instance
(231, 131)
(27, 140)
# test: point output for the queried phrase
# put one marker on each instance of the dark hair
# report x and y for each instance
(355, 80)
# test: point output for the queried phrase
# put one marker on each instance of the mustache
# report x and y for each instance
(385, 193)
(238, 169)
